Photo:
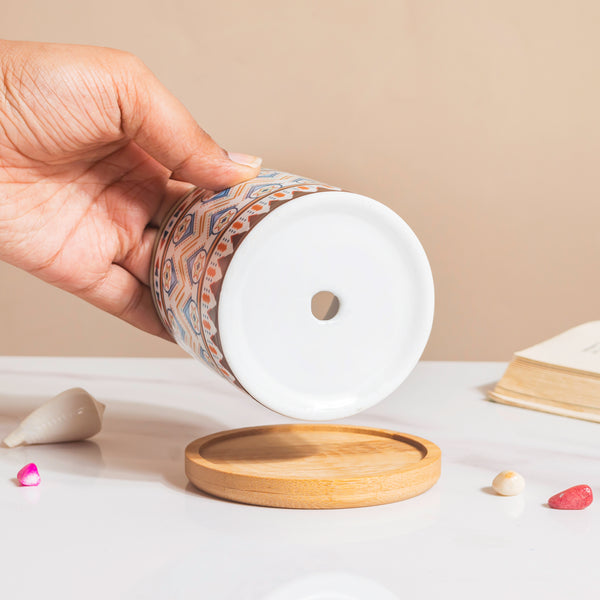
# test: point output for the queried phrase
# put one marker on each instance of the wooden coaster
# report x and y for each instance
(312, 466)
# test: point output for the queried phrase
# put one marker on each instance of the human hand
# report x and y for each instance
(93, 153)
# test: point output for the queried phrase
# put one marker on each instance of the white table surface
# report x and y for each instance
(115, 517)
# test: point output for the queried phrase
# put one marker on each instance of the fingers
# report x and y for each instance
(137, 261)
(138, 255)
(123, 295)
(161, 125)
(173, 193)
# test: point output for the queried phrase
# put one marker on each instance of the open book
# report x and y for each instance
(560, 375)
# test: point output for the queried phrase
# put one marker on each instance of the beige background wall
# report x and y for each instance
(478, 122)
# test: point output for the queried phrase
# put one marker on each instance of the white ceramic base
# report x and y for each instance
(367, 256)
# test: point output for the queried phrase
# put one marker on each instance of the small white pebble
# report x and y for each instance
(508, 483)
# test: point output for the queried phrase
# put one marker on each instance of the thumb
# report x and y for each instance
(153, 118)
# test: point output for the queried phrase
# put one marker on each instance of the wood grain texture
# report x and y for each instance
(313, 465)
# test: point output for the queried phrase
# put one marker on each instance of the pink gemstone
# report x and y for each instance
(575, 498)
(29, 475)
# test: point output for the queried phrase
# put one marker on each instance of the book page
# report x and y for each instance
(565, 410)
(577, 348)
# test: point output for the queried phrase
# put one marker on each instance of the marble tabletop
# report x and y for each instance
(115, 516)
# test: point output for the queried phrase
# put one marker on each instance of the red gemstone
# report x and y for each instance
(575, 498)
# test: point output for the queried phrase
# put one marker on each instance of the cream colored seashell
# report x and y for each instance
(70, 416)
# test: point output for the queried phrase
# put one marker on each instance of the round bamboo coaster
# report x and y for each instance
(312, 466)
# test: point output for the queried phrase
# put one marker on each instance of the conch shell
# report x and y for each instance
(70, 416)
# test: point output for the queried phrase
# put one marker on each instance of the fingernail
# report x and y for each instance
(245, 159)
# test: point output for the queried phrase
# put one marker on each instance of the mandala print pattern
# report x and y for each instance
(195, 247)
